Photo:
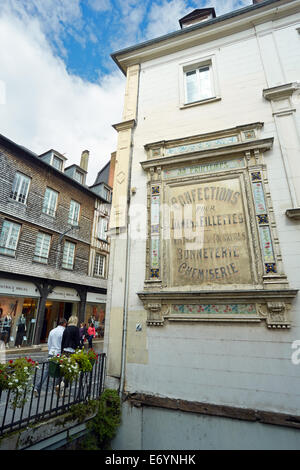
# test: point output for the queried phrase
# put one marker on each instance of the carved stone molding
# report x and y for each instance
(220, 306)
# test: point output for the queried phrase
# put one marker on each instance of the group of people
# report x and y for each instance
(65, 339)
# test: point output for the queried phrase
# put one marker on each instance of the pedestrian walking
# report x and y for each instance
(54, 349)
(91, 334)
(70, 342)
(71, 336)
(82, 334)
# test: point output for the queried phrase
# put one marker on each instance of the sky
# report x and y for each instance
(59, 87)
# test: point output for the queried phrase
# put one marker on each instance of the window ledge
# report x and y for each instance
(13, 255)
(197, 103)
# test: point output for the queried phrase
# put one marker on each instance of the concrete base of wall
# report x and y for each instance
(50, 434)
(154, 428)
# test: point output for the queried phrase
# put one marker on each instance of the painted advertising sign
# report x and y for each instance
(208, 241)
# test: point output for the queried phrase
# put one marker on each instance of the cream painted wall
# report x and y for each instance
(233, 364)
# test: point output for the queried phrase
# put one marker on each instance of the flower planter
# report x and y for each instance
(54, 369)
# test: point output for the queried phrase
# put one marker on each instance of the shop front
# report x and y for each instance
(95, 312)
(18, 312)
(61, 303)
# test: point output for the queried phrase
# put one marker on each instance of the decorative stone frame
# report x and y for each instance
(240, 152)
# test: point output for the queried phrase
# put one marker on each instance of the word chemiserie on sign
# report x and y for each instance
(208, 234)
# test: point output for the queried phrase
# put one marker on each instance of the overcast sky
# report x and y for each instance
(59, 87)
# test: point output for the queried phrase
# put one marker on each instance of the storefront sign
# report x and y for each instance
(208, 234)
(18, 288)
(93, 297)
(64, 294)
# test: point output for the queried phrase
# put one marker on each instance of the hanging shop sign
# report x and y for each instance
(64, 294)
(18, 288)
(95, 298)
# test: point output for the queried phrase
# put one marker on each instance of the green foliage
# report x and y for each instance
(83, 361)
(16, 376)
(103, 427)
(71, 366)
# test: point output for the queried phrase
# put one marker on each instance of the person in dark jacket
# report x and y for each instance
(70, 342)
(71, 337)
(82, 334)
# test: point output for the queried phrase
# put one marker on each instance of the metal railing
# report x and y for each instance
(53, 399)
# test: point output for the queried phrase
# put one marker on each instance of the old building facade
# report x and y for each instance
(50, 250)
(203, 310)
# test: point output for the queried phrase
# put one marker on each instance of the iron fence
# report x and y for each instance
(54, 398)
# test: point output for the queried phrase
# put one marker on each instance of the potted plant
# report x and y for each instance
(92, 356)
(54, 367)
(64, 366)
(16, 376)
(83, 361)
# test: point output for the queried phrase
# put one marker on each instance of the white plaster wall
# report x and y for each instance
(243, 365)
(161, 429)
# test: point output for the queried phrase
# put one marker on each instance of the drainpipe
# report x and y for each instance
(125, 307)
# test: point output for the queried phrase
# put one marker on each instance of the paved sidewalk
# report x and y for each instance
(97, 346)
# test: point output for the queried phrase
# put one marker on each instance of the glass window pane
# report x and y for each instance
(191, 86)
(42, 247)
(205, 83)
(20, 187)
(9, 237)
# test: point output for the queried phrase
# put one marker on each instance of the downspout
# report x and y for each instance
(132, 119)
(125, 307)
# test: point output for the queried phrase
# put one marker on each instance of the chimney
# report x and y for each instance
(84, 162)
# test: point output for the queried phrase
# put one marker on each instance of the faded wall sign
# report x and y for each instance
(208, 237)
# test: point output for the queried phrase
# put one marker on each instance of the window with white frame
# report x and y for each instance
(78, 176)
(199, 84)
(74, 213)
(57, 163)
(42, 247)
(20, 187)
(99, 265)
(50, 202)
(102, 228)
(68, 255)
(9, 237)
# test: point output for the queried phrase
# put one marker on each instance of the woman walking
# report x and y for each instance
(91, 334)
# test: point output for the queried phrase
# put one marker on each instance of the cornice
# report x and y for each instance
(238, 148)
(239, 295)
(281, 92)
(124, 125)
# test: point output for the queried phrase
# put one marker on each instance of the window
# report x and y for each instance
(50, 202)
(78, 176)
(57, 162)
(68, 255)
(99, 265)
(102, 228)
(9, 237)
(106, 194)
(74, 213)
(20, 188)
(42, 247)
(198, 84)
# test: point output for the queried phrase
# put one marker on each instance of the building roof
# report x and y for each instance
(10, 144)
(210, 24)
